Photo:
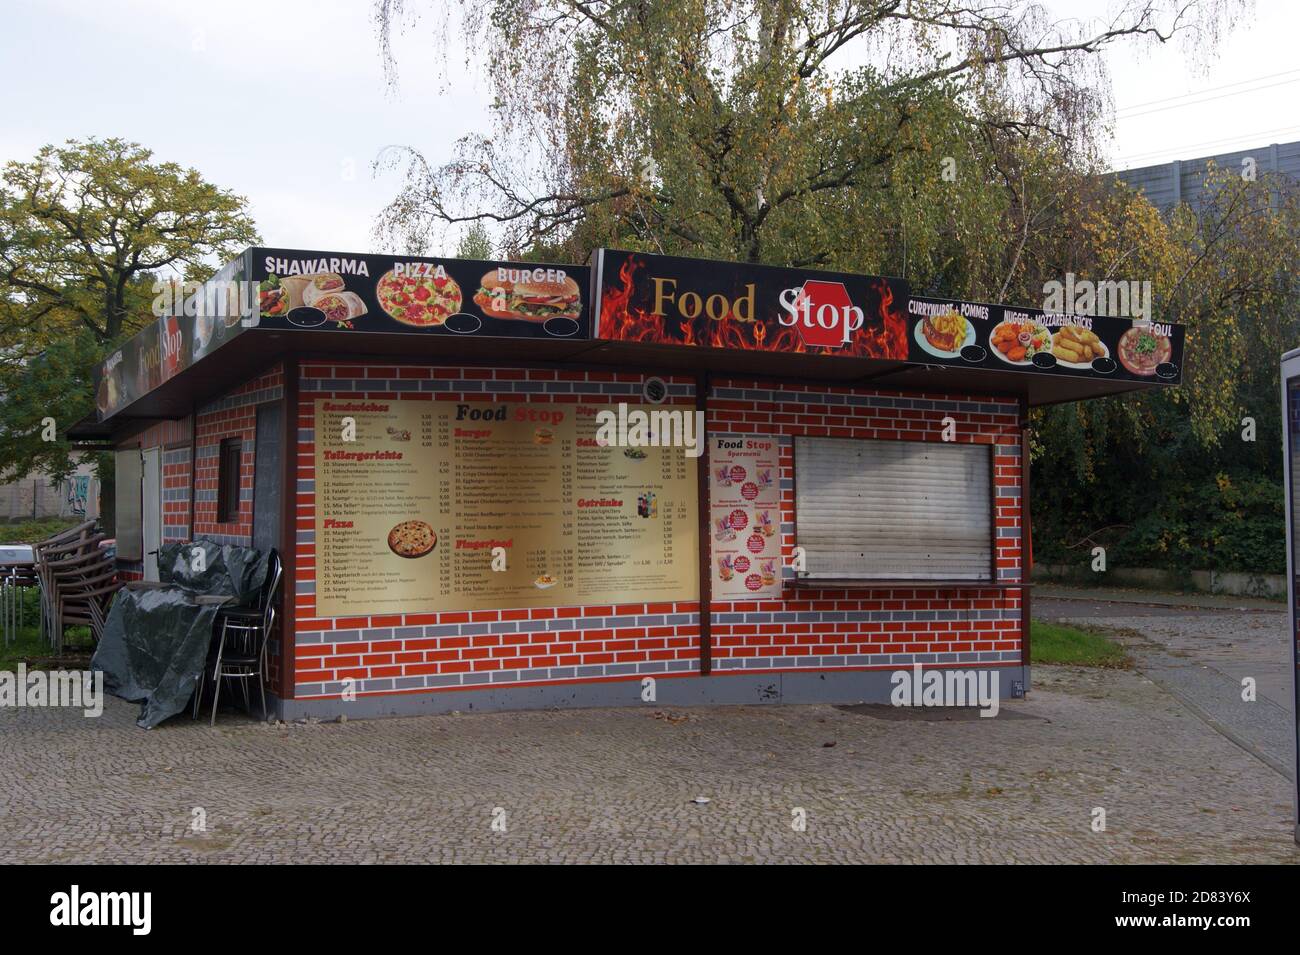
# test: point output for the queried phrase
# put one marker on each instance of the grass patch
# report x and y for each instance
(1071, 646)
(33, 532)
(29, 648)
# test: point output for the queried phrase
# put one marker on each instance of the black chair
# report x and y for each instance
(241, 651)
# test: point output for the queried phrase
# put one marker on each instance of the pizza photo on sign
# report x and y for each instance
(529, 295)
(420, 300)
(412, 539)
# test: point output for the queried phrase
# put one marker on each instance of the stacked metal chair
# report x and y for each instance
(77, 582)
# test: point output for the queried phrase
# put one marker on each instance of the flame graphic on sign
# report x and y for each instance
(883, 335)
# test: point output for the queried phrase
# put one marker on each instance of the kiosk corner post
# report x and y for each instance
(1290, 384)
(1026, 537)
(702, 385)
(289, 526)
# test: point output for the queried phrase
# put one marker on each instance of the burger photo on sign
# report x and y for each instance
(529, 295)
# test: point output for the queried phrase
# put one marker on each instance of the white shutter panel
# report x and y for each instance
(894, 510)
(127, 527)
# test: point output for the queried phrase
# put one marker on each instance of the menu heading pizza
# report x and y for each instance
(668, 300)
(345, 292)
(426, 506)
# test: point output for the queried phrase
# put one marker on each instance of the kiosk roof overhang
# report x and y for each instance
(258, 349)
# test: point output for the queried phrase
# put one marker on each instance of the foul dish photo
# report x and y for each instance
(418, 300)
(1077, 346)
(1141, 350)
(945, 335)
(412, 539)
(1018, 342)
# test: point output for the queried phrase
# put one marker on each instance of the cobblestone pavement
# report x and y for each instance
(1202, 655)
(618, 785)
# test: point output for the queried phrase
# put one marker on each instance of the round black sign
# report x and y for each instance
(462, 323)
(1044, 359)
(560, 327)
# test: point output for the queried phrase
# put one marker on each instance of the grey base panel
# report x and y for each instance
(820, 686)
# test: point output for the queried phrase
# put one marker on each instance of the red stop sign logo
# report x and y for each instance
(822, 312)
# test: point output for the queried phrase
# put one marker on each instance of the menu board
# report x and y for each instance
(1004, 337)
(745, 506)
(435, 506)
(192, 328)
(666, 300)
(350, 293)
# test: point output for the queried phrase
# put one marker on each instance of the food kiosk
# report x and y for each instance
(648, 479)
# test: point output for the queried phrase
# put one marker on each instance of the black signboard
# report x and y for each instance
(695, 302)
(194, 323)
(699, 303)
(344, 292)
(1004, 337)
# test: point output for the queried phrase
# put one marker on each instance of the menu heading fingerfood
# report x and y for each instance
(345, 292)
(426, 506)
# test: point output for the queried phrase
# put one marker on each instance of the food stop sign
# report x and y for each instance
(822, 312)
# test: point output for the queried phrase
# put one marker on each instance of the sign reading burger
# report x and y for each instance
(336, 291)
(675, 301)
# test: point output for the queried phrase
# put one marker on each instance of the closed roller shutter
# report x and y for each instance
(894, 510)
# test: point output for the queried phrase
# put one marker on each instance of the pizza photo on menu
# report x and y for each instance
(421, 300)
(412, 539)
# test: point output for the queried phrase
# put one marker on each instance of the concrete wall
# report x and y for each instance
(1206, 581)
(37, 496)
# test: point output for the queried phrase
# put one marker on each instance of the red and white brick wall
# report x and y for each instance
(881, 628)
(807, 629)
(422, 652)
(234, 415)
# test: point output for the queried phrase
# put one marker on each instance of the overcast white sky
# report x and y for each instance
(284, 101)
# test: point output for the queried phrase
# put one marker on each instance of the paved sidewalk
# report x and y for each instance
(618, 785)
(1203, 656)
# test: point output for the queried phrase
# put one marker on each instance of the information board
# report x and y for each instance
(745, 506)
(417, 504)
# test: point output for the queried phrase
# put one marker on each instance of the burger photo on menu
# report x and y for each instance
(529, 295)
